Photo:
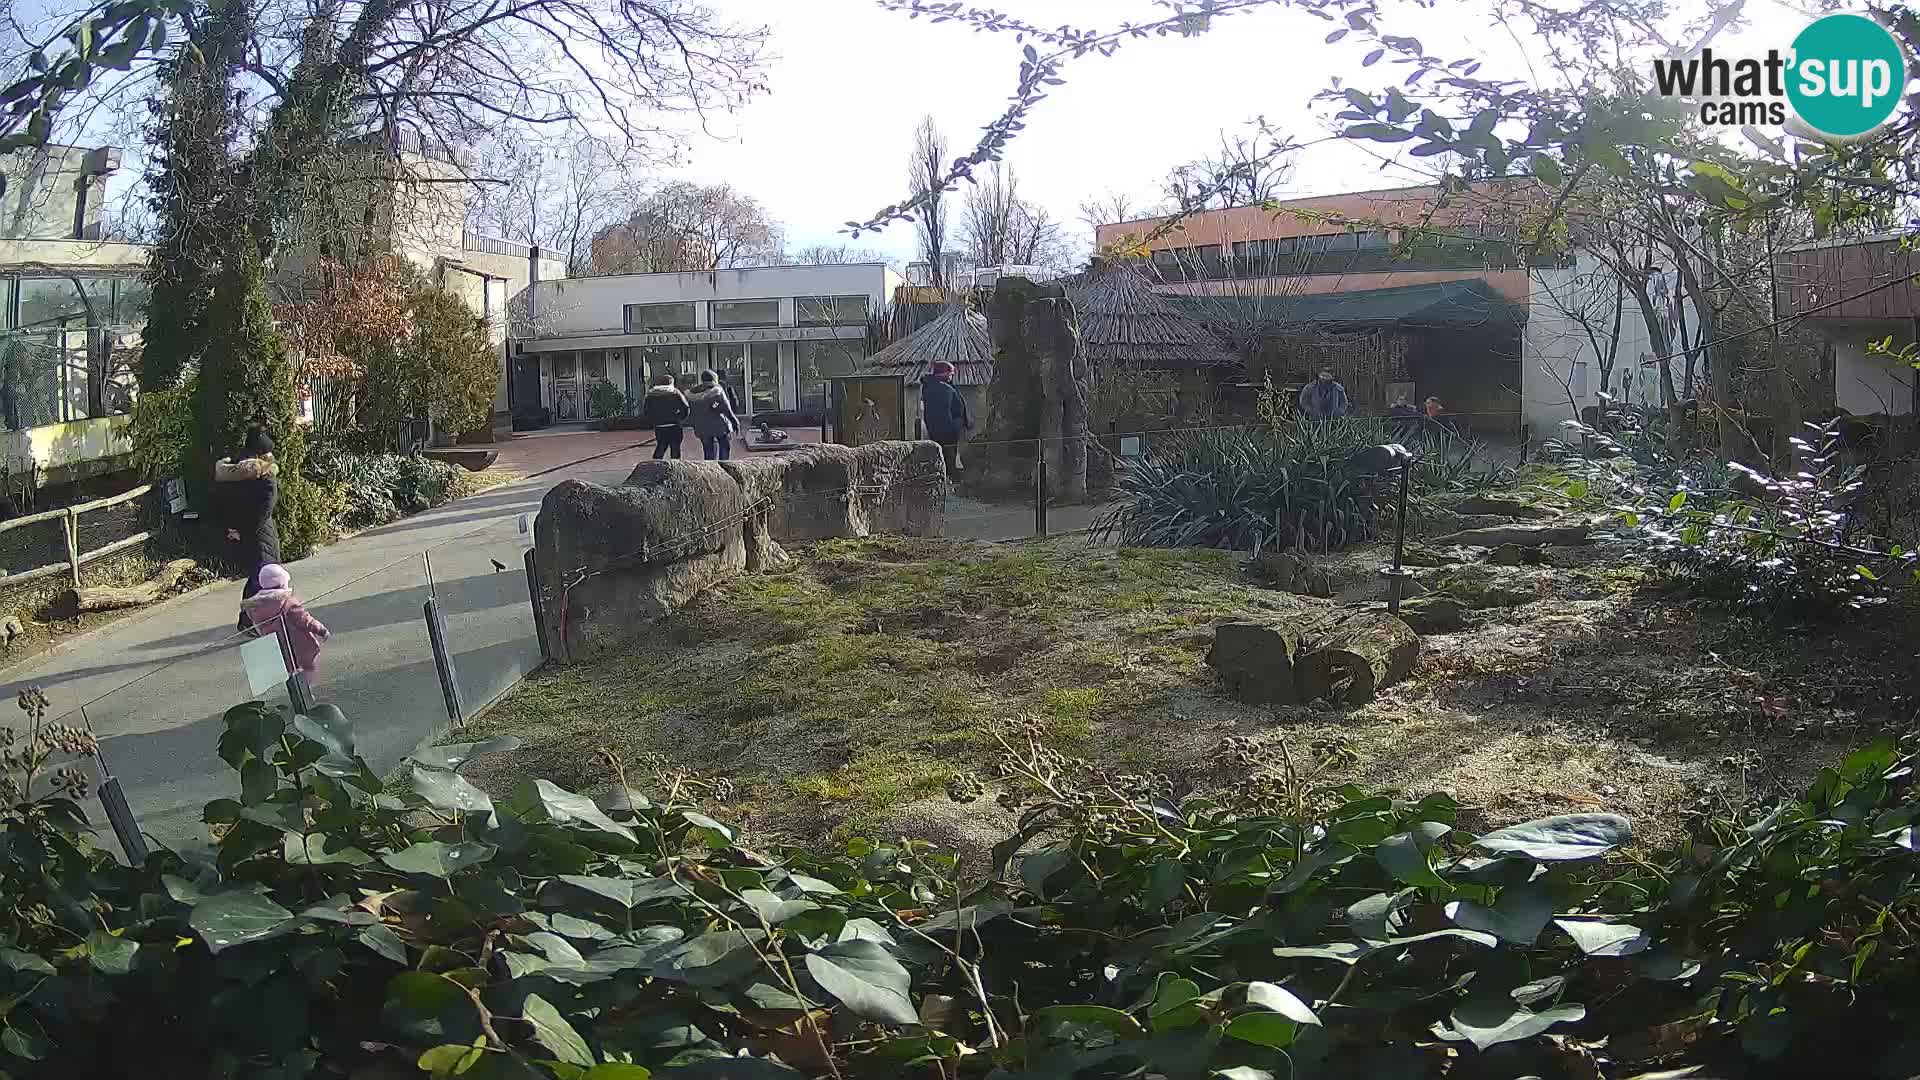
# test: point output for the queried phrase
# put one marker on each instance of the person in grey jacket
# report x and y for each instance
(1324, 399)
(713, 417)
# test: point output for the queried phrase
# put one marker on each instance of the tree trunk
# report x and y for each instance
(1037, 402)
(1255, 661)
(110, 598)
(1358, 660)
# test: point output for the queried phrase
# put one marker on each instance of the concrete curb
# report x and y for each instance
(134, 619)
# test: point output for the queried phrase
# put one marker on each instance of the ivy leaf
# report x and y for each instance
(1565, 838)
(110, 955)
(311, 850)
(454, 755)
(450, 1060)
(329, 727)
(1165, 882)
(1517, 917)
(1491, 1021)
(718, 835)
(771, 909)
(21, 960)
(382, 940)
(1598, 938)
(866, 979)
(1278, 999)
(1402, 856)
(712, 959)
(1263, 1029)
(1547, 171)
(1381, 916)
(1337, 35)
(1372, 58)
(445, 790)
(552, 1031)
(258, 781)
(1113, 1020)
(237, 917)
(562, 805)
(439, 859)
(627, 892)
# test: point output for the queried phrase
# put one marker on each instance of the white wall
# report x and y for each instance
(595, 307)
(1557, 355)
(1866, 381)
(44, 188)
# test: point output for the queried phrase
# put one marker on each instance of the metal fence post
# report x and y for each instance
(126, 828)
(443, 660)
(1039, 489)
(539, 615)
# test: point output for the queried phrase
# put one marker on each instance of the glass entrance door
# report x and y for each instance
(763, 377)
(730, 363)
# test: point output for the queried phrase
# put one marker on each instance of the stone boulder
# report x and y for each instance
(1520, 535)
(826, 491)
(610, 560)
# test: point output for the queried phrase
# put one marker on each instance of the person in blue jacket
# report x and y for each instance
(948, 420)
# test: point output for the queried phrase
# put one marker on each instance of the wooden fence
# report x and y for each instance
(69, 518)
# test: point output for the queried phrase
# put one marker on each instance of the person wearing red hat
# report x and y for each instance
(947, 417)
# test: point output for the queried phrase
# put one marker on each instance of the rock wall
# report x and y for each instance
(611, 560)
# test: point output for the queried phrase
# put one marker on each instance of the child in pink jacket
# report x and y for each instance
(275, 600)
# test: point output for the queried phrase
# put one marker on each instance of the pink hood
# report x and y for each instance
(304, 634)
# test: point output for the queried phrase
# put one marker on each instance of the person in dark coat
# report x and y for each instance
(665, 410)
(713, 417)
(948, 419)
(246, 489)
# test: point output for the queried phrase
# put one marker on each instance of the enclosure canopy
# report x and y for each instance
(1440, 304)
(1124, 322)
(959, 336)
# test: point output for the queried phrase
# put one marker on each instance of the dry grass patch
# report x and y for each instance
(848, 689)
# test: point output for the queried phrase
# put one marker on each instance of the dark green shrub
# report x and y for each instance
(605, 400)
(1287, 485)
(342, 927)
(379, 488)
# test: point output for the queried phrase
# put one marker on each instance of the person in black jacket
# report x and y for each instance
(246, 489)
(947, 417)
(665, 410)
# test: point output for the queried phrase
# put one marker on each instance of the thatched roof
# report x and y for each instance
(958, 337)
(1124, 322)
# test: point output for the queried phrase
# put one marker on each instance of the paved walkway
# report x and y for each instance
(156, 685)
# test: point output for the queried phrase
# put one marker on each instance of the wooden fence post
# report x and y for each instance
(70, 526)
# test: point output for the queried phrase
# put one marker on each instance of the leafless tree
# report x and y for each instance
(926, 176)
(686, 226)
(834, 255)
(1000, 228)
(1246, 171)
(559, 197)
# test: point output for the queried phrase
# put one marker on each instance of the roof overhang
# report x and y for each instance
(694, 337)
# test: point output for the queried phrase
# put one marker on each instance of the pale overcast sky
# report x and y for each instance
(849, 81)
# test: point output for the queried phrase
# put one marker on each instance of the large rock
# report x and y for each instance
(1503, 506)
(610, 560)
(826, 491)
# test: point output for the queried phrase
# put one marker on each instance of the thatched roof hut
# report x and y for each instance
(959, 337)
(1125, 323)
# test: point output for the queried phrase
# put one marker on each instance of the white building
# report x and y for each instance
(775, 334)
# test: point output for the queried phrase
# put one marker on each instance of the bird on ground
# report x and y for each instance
(497, 565)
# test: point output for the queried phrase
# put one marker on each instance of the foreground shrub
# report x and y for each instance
(1287, 486)
(1793, 546)
(339, 927)
(378, 488)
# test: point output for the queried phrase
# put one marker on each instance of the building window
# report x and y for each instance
(659, 318)
(763, 377)
(1577, 381)
(739, 314)
(1371, 240)
(815, 365)
(832, 310)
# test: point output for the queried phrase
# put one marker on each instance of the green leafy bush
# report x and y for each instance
(159, 429)
(605, 399)
(1257, 487)
(340, 926)
(379, 488)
